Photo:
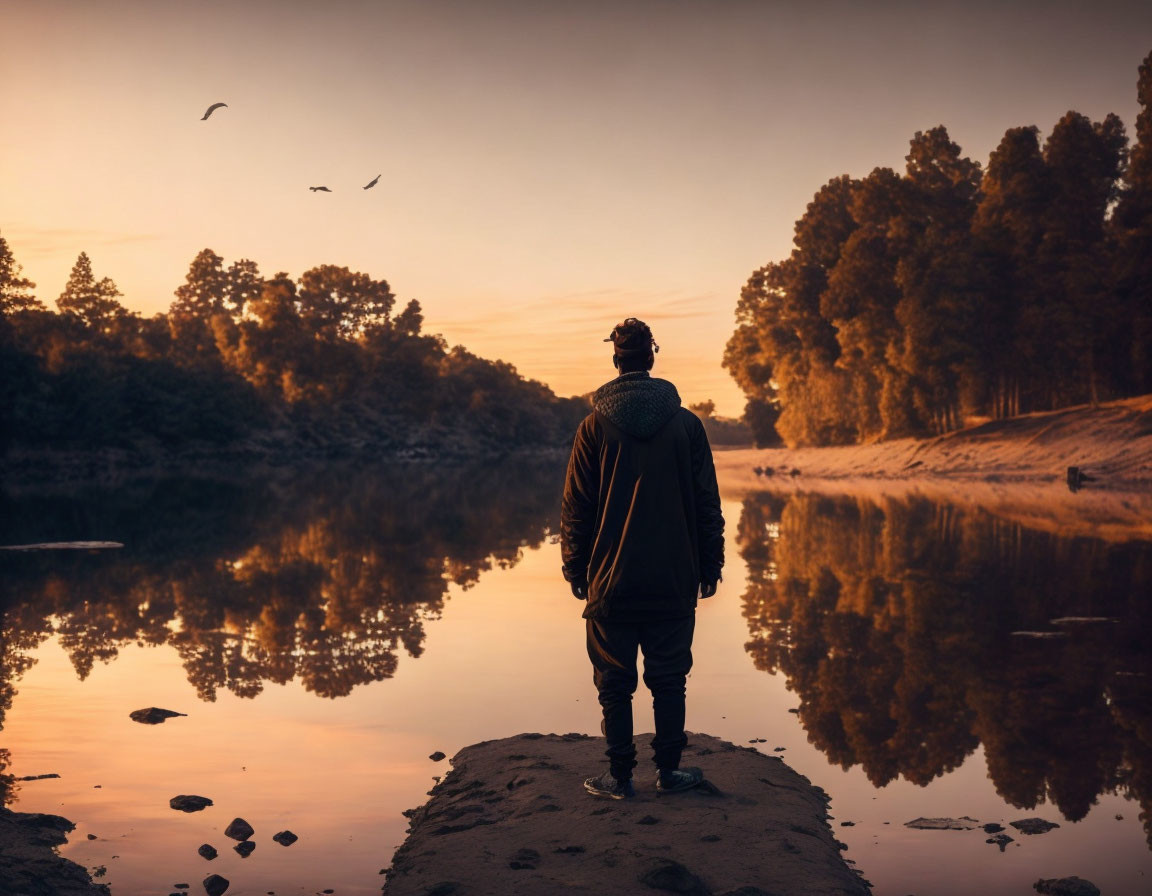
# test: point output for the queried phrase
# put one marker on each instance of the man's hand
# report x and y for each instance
(707, 589)
(579, 590)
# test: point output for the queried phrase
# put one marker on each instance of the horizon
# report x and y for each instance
(545, 172)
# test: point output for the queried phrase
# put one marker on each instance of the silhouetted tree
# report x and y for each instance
(93, 302)
(1132, 246)
(15, 290)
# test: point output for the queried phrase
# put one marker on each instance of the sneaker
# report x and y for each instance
(606, 785)
(678, 779)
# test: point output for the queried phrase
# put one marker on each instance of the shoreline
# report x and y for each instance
(1014, 468)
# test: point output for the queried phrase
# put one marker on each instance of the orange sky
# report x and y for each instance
(546, 169)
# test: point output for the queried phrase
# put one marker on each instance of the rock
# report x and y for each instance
(847, 824)
(285, 838)
(963, 823)
(1033, 825)
(208, 851)
(215, 885)
(91, 836)
(474, 827)
(153, 715)
(189, 803)
(993, 828)
(525, 859)
(1066, 886)
(239, 829)
(673, 877)
(244, 848)
(28, 862)
(437, 756)
(38, 777)
(1001, 840)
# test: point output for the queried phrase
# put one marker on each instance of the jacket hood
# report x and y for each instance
(637, 403)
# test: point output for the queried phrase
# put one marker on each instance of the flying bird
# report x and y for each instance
(373, 183)
(212, 109)
(320, 189)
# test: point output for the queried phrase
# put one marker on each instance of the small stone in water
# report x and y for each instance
(215, 885)
(91, 836)
(208, 851)
(437, 756)
(189, 802)
(285, 838)
(245, 848)
(1034, 826)
(239, 829)
(1066, 886)
(153, 715)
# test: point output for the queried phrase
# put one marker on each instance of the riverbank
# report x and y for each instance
(1015, 468)
(512, 817)
(29, 866)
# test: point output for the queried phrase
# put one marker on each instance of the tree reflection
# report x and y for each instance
(893, 623)
(323, 580)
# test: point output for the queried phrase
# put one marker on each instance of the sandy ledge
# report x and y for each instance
(512, 817)
(1013, 468)
(29, 866)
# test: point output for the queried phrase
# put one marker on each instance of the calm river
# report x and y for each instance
(325, 634)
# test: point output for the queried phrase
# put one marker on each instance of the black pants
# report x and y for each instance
(667, 648)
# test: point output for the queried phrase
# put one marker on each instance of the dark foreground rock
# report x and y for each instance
(512, 817)
(285, 838)
(30, 866)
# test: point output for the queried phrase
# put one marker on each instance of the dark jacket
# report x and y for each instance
(640, 520)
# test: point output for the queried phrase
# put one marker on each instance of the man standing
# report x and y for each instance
(641, 536)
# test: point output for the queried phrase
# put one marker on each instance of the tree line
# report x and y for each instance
(263, 365)
(912, 302)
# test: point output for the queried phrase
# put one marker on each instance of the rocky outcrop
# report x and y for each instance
(513, 817)
(30, 866)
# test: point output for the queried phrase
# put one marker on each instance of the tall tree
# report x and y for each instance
(1084, 161)
(1132, 243)
(93, 302)
(860, 303)
(1009, 227)
(15, 290)
(941, 291)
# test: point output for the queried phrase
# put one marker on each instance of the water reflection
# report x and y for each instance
(893, 623)
(322, 579)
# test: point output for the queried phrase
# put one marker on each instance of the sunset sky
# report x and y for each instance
(547, 169)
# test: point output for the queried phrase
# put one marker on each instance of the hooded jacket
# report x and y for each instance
(640, 520)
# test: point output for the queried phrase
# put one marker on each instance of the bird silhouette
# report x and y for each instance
(373, 183)
(212, 109)
(320, 189)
